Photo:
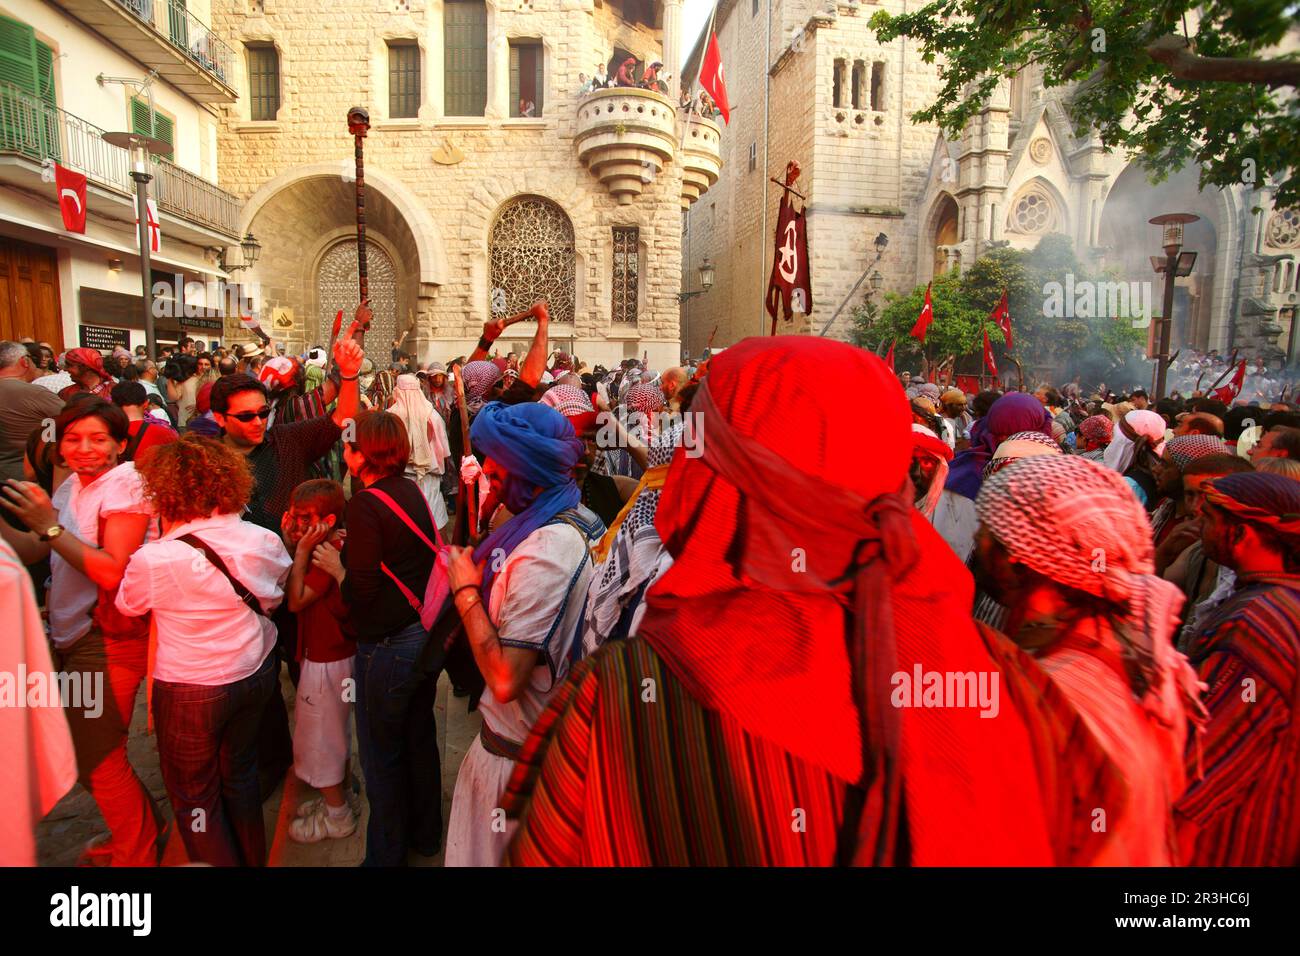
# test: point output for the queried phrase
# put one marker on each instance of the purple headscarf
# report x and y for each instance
(1013, 412)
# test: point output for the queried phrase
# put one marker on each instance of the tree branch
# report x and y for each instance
(1175, 53)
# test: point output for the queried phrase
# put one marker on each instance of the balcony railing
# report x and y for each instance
(30, 128)
(188, 34)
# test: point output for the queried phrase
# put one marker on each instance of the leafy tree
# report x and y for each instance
(1168, 81)
(1091, 347)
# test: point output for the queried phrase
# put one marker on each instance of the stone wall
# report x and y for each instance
(447, 177)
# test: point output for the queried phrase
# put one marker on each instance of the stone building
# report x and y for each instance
(810, 82)
(491, 179)
(69, 72)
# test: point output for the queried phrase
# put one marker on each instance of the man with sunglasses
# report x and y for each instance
(280, 456)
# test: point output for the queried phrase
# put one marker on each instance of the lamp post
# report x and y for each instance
(706, 283)
(1176, 263)
(141, 147)
(881, 242)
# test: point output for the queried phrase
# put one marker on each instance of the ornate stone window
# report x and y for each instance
(626, 273)
(336, 288)
(1032, 213)
(532, 257)
(1284, 228)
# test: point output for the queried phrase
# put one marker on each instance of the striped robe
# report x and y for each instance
(609, 777)
(1243, 811)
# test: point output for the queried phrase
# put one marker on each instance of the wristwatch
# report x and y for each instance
(52, 533)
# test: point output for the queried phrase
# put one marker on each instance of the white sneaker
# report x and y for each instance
(320, 825)
(308, 807)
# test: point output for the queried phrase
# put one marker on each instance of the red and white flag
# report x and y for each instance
(989, 364)
(155, 226)
(924, 319)
(889, 356)
(1230, 391)
(1001, 317)
(72, 198)
(712, 78)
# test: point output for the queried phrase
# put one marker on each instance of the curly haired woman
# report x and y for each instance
(211, 581)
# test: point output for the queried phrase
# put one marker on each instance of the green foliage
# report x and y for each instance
(1230, 122)
(962, 303)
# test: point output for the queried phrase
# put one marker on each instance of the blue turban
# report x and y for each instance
(537, 447)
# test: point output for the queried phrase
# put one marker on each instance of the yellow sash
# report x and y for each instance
(653, 479)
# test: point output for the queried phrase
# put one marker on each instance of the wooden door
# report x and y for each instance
(29, 293)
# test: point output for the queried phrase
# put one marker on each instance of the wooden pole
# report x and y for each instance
(358, 126)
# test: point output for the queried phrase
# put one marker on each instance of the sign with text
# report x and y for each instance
(103, 337)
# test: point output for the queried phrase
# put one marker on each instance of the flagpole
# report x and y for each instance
(705, 37)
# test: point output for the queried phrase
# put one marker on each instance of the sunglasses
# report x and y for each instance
(263, 413)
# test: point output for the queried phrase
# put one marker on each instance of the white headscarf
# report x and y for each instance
(424, 428)
(1119, 453)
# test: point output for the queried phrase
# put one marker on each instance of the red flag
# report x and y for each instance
(989, 364)
(970, 384)
(712, 79)
(924, 319)
(889, 356)
(72, 198)
(1001, 317)
(1230, 391)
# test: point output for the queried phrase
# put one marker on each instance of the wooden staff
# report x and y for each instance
(358, 125)
(467, 508)
(1020, 373)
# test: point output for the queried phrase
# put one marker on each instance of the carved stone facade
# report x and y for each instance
(455, 200)
(825, 93)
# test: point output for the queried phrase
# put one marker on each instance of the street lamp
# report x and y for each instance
(1175, 264)
(706, 282)
(251, 249)
(141, 148)
(877, 280)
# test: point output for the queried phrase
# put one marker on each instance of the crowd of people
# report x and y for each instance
(710, 614)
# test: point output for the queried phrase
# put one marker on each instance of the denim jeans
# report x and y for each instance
(398, 746)
(207, 746)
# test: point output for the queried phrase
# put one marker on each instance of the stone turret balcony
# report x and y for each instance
(625, 136)
(701, 157)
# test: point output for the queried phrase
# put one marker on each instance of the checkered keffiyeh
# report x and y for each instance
(1078, 524)
(645, 398)
(1185, 449)
(1020, 445)
(1097, 428)
(478, 377)
(567, 400)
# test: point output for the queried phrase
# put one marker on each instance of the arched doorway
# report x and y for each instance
(945, 233)
(336, 288)
(532, 256)
(1129, 240)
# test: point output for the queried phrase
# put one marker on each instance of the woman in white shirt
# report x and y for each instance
(211, 582)
(89, 528)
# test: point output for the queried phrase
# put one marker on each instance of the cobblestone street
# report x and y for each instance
(75, 820)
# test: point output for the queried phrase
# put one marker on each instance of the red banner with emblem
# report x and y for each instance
(72, 198)
(790, 285)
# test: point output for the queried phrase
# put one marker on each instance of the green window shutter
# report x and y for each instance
(465, 57)
(18, 56)
(50, 121)
(526, 76)
(140, 117)
(163, 129)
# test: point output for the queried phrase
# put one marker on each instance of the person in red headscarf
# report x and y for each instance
(762, 717)
(86, 368)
